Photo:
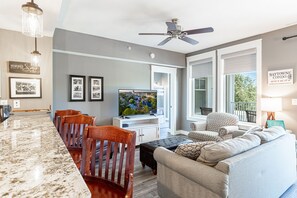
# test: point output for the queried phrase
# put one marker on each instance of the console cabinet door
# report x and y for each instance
(149, 134)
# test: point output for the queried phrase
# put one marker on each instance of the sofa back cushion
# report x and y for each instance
(270, 134)
(212, 154)
(216, 120)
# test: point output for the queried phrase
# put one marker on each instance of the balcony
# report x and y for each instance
(246, 111)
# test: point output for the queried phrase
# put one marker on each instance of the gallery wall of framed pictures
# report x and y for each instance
(78, 88)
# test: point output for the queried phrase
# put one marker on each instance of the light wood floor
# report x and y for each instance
(145, 182)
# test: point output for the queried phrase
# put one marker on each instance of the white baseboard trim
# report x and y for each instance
(183, 132)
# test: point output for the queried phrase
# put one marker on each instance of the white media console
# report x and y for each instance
(147, 127)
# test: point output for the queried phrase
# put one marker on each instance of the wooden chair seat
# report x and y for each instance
(104, 188)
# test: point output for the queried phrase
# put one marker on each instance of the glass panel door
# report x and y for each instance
(162, 81)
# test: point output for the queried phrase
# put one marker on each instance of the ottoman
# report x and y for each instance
(147, 149)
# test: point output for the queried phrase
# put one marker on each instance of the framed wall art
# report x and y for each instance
(77, 88)
(95, 88)
(22, 68)
(281, 77)
(24, 87)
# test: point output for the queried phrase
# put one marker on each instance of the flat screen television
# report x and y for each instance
(137, 102)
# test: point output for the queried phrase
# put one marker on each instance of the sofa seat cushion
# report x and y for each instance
(205, 136)
(270, 134)
(212, 154)
(192, 150)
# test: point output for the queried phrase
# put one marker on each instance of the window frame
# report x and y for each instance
(221, 94)
(190, 83)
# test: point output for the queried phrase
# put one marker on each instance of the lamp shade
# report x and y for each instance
(35, 58)
(32, 20)
(35, 55)
(271, 104)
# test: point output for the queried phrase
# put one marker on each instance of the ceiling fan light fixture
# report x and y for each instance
(174, 30)
(32, 20)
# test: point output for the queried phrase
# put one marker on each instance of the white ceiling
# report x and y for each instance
(124, 19)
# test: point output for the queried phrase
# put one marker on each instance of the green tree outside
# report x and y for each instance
(245, 88)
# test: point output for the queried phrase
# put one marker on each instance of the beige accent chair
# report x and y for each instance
(216, 127)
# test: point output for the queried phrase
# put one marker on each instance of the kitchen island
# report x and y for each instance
(34, 162)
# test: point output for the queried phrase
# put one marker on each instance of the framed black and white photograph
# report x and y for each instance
(24, 87)
(77, 88)
(95, 88)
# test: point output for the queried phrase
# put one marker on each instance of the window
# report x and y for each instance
(239, 79)
(201, 85)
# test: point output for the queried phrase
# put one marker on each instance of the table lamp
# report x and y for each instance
(271, 105)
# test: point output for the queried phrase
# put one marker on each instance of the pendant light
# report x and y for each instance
(32, 20)
(35, 55)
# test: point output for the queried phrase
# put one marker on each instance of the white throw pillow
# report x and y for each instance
(212, 154)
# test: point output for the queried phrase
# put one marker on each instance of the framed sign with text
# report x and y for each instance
(280, 77)
(22, 68)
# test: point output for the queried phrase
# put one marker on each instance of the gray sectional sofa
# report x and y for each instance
(267, 170)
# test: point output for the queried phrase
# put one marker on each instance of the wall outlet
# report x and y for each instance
(16, 104)
(294, 101)
(3, 102)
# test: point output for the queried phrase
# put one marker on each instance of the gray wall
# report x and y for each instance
(14, 46)
(117, 74)
(276, 54)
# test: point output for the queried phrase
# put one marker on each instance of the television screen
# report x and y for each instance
(137, 102)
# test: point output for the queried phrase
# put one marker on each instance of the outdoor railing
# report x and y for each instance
(240, 109)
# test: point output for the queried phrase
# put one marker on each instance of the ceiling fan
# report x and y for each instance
(175, 31)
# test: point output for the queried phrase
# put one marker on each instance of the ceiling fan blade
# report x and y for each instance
(189, 40)
(171, 26)
(163, 34)
(165, 41)
(199, 31)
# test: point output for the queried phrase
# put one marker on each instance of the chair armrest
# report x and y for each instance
(216, 180)
(227, 130)
(198, 126)
(204, 136)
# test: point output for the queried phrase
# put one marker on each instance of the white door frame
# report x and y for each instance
(172, 101)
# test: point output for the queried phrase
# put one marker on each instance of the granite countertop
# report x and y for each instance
(34, 161)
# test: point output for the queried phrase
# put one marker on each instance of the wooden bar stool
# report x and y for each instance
(72, 128)
(109, 180)
(60, 113)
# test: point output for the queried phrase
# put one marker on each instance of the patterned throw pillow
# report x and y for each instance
(192, 150)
